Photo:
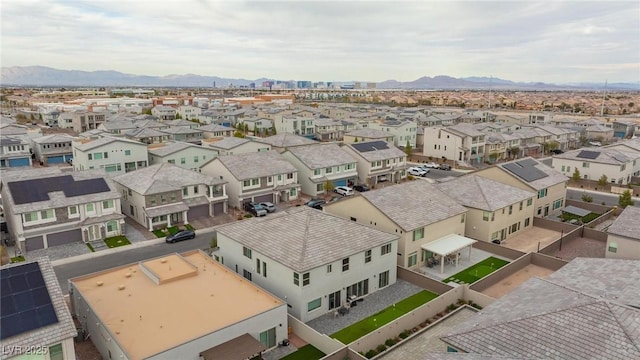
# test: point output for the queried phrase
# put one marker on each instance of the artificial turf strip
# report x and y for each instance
(307, 352)
(116, 241)
(369, 324)
(477, 271)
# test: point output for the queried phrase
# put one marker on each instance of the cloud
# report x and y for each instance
(327, 40)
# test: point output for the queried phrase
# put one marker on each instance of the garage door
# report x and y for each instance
(64, 237)
(18, 162)
(218, 209)
(55, 160)
(198, 212)
(264, 198)
(342, 182)
(34, 243)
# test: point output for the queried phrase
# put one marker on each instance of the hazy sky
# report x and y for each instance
(551, 41)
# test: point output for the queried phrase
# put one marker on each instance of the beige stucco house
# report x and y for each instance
(378, 161)
(623, 240)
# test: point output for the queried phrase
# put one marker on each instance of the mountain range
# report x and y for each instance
(46, 76)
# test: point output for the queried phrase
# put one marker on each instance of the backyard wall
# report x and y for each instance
(565, 238)
(553, 225)
(477, 297)
(324, 343)
(547, 262)
(502, 273)
(505, 252)
(634, 189)
(422, 281)
(344, 354)
(596, 208)
(602, 218)
(595, 234)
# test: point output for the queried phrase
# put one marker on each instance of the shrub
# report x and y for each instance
(240, 217)
(405, 334)
(248, 215)
(371, 353)
(451, 307)
(189, 227)
(381, 348)
(390, 342)
(587, 198)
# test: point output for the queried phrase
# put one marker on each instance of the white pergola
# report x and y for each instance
(447, 245)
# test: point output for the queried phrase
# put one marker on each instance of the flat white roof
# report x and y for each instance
(448, 244)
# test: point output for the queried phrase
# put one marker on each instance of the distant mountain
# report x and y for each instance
(45, 76)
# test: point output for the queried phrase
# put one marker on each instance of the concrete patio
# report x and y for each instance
(464, 262)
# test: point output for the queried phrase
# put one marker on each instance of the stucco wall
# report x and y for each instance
(321, 341)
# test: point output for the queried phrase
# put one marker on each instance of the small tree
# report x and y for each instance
(255, 128)
(515, 151)
(178, 116)
(576, 175)
(273, 130)
(238, 134)
(603, 180)
(328, 186)
(625, 199)
(551, 145)
(146, 111)
(587, 198)
(493, 156)
(407, 149)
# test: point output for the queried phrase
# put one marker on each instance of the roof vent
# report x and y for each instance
(121, 287)
(127, 275)
(163, 261)
(99, 283)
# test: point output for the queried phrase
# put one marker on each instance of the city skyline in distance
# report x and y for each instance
(369, 41)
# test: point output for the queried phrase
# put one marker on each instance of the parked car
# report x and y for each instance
(268, 206)
(316, 204)
(430, 165)
(416, 171)
(557, 151)
(361, 188)
(343, 190)
(496, 241)
(255, 209)
(423, 167)
(181, 236)
(444, 167)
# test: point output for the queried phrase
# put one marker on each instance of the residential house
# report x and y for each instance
(500, 146)
(624, 129)
(367, 134)
(256, 125)
(185, 155)
(114, 155)
(293, 124)
(618, 166)
(332, 130)
(257, 176)
(571, 314)
(461, 142)
(623, 236)
(164, 195)
(496, 211)
(600, 133)
(48, 207)
(403, 131)
(118, 127)
(14, 152)
(322, 163)
(378, 161)
(188, 112)
(42, 325)
(234, 145)
(172, 297)
(417, 211)
(185, 134)
(285, 141)
(53, 149)
(148, 135)
(317, 262)
(87, 120)
(215, 131)
(532, 175)
(164, 112)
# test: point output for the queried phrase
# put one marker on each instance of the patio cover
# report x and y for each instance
(576, 211)
(241, 348)
(449, 244)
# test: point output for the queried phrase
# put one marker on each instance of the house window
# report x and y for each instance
(383, 279)
(296, 279)
(171, 161)
(106, 155)
(90, 156)
(292, 192)
(385, 249)
(345, 264)
(486, 215)
(557, 204)
(530, 202)
(73, 212)
(173, 197)
(328, 170)
(55, 352)
(306, 279)
(413, 259)
(183, 161)
(320, 187)
(462, 218)
(264, 269)
(268, 338)
(316, 172)
(246, 252)
(195, 159)
(418, 234)
(510, 209)
(255, 182)
(127, 153)
(90, 208)
(32, 216)
(97, 156)
(246, 274)
(521, 205)
(329, 268)
(107, 204)
(367, 256)
(542, 193)
(112, 226)
(195, 189)
(269, 179)
(290, 176)
(585, 164)
(314, 304)
(163, 199)
(526, 222)
(613, 247)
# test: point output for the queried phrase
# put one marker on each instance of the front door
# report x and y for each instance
(94, 232)
(546, 210)
(334, 300)
(175, 218)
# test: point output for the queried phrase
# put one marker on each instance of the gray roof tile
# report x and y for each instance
(485, 194)
(286, 140)
(627, 224)
(163, 177)
(258, 164)
(322, 155)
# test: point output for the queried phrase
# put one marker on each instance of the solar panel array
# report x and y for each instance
(370, 146)
(526, 170)
(25, 304)
(586, 154)
(35, 190)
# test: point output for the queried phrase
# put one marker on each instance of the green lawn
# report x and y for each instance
(159, 233)
(585, 219)
(189, 227)
(16, 259)
(367, 325)
(307, 352)
(477, 271)
(116, 241)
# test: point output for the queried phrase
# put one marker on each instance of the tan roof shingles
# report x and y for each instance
(258, 164)
(322, 155)
(163, 177)
(303, 238)
(481, 193)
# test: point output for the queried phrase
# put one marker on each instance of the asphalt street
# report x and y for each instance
(598, 197)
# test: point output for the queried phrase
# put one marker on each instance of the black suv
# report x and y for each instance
(361, 188)
(316, 204)
(255, 208)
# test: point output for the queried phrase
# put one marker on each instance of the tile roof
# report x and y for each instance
(322, 155)
(481, 193)
(369, 133)
(553, 176)
(390, 152)
(104, 141)
(258, 164)
(303, 238)
(464, 129)
(609, 156)
(627, 224)
(215, 128)
(163, 177)
(228, 143)
(286, 140)
(54, 138)
(164, 149)
(414, 204)
(144, 133)
(176, 130)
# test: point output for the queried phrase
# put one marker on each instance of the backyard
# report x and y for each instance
(307, 352)
(477, 271)
(369, 324)
(584, 219)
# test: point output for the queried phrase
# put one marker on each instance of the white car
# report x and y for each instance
(416, 171)
(343, 190)
(430, 165)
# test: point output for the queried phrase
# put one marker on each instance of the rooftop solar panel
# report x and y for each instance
(527, 162)
(370, 146)
(527, 173)
(25, 303)
(35, 190)
(586, 154)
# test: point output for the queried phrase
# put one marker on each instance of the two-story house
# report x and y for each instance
(48, 207)
(188, 112)
(87, 120)
(260, 176)
(378, 161)
(147, 135)
(53, 149)
(417, 211)
(367, 134)
(295, 125)
(14, 152)
(531, 175)
(315, 261)
(215, 131)
(164, 195)
(616, 164)
(186, 155)
(496, 211)
(623, 236)
(285, 141)
(234, 145)
(322, 163)
(403, 131)
(183, 133)
(164, 112)
(114, 155)
(461, 142)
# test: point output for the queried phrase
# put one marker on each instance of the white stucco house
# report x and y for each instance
(114, 155)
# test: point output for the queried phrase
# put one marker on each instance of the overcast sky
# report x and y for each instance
(560, 42)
